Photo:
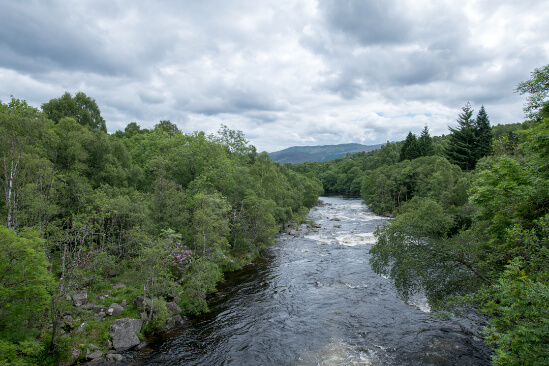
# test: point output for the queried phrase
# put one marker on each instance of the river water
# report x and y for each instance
(314, 300)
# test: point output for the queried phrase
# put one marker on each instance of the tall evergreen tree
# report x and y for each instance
(410, 149)
(483, 134)
(425, 143)
(462, 142)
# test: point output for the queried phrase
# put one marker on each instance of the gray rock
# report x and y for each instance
(108, 344)
(173, 308)
(142, 303)
(115, 309)
(124, 303)
(99, 308)
(94, 355)
(101, 315)
(176, 322)
(141, 345)
(144, 315)
(87, 306)
(118, 285)
(123, 333)
(176, 299)
(80, 298)
(114, 357)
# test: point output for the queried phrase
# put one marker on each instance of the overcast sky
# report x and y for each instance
(285, 72)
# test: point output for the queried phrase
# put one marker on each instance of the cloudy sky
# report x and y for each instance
(285, 72)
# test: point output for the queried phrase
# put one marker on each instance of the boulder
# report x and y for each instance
(176, 322)
(141, 345)
(123, 333)
(124, 303)
(94, 355)
(173, 308)
(115, 309)
(114, 357)
(118, 285)
(80, 298)
(142, 303)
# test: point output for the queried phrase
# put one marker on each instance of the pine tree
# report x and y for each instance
(462, 142)
(425, 143)
(483, 134)
(410, 148)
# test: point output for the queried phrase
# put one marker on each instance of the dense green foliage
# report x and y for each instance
(162, 211)
(474, 237)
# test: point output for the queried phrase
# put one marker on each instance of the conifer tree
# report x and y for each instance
(410, 149)
(462, 142)
(483, 134)
(425, 143)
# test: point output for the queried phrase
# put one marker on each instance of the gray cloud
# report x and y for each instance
(284, 72)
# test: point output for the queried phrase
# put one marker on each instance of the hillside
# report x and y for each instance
(301, 154)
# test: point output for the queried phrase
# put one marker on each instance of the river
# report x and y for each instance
(314, 300)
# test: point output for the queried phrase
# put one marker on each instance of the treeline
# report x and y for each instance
(163, 212)
(471, 226)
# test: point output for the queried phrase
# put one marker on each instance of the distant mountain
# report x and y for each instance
(301, 154)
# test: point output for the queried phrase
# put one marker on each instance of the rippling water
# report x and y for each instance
(314, 300)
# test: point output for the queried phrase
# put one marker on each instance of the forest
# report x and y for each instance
(161, 214)
(104, 218)
(471, 220)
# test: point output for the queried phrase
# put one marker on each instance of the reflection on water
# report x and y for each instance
(314, 300)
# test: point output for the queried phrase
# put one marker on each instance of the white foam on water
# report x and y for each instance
(339, 352)
(352, 239)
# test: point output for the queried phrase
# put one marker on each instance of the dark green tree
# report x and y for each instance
(82, 108)
(425, 143)
(410, 149)
(483, 134)
(462, 141)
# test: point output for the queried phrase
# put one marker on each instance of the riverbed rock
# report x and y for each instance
(123, 333)
(114, 357)
(175, 322)
(173, 308)
(141, 345)
(93, 355)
